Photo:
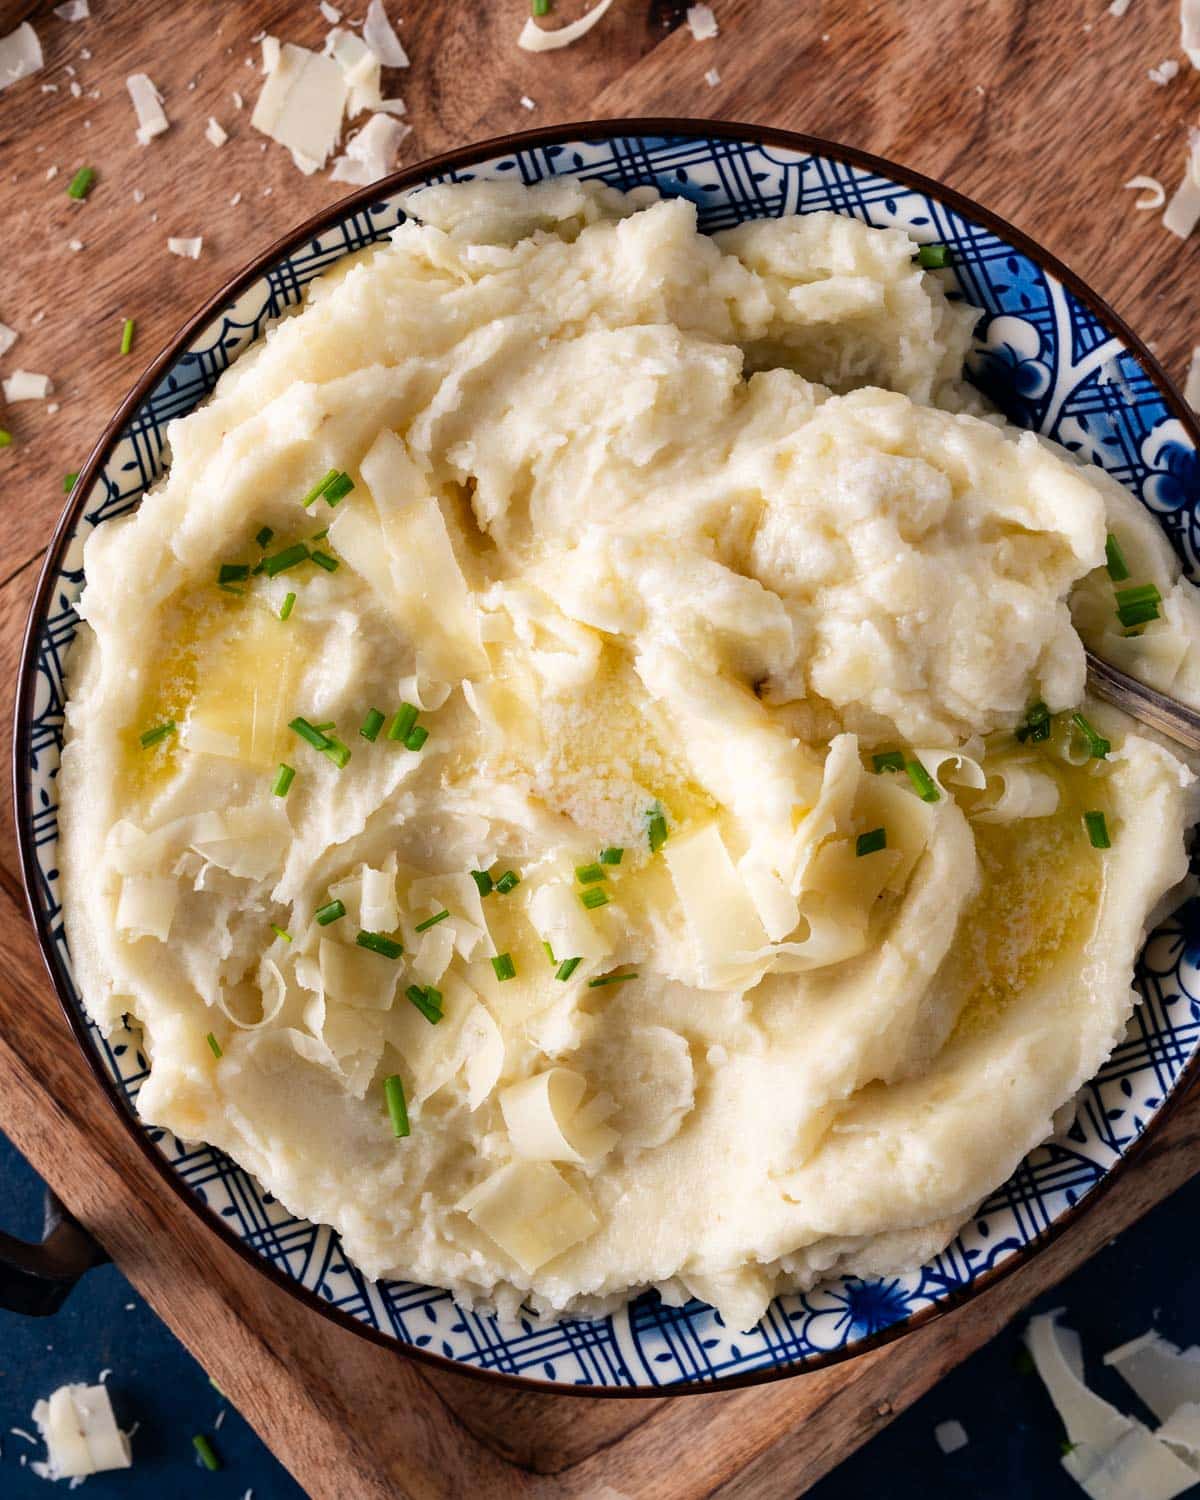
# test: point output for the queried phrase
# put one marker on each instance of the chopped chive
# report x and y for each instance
(332, 911)
(324, 725)
(1097, 830)
(206, 1452)
(933, 257)
(509, 881)
(81, 184)
(310, 733)
(567, 968)
(214, 1045)
(611, 856)
(1036, 726)
(378, 943)
(504, 967)
(588, 874)
(159, 732)
(283, 779)
(540, 7)
(656, 829)
(323, 560)
(281, 932)
(549, 952)
(319, 536)
(371, 725)
(232, 573)
(428, 1001)
(264, 536)
(6, 439)
(393, 1092)
(429, 922)
(923, 782)
(483, 880)
(69, 483)
(127, 336)
(287, 606)
(416, 738)
(890, 760)
(280, 562)
(869, 843)
(1098, 746)
(1138, 606)
(338, 488)
(338, 753)
(594, 896)
(595, 984)
(404, 722)
(1114, 559)
(320, 487)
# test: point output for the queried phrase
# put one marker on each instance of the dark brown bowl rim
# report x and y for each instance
(461, 158)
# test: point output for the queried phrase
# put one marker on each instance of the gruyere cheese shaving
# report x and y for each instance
(702, 23)
(1164, 72)
(545, 1122)
(20, 55)
(720, 915)
(81, 1434)
(1162, 1375)
(73, 10)
(1183, 211)
(1151, 193)
(530, 1211)
(380, 36)
(379, 910)
(360, 67)
(189, 247)
(8, 337)
(534, 39)
(355, 976)
(147, 104)
(301, 105)
(371, 151)
(1019, 792)
(214, 133)
(24, 385)
(146, 906)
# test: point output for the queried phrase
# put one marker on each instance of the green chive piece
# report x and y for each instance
(280, 562)
(214, 1045)
(127, 335)
(206, 1452)
(1036, 727)
(1097, 830)
(281, 932)
(232, 573)
(312, 735)
(611, 856)
(1114, 559)
(337, 488)
(287, 606)
(567, 968)
(428, 1001)
(1138, 606)
(319, 536)
(283, 779)
(323, 560)
(159, 732)
(504, 967)
(320, 487)
(540, 7)
(595, 984)
(869, 843)
(923, 782)
(6, 439)
(483, 880)
(416, 738)
(933, 257)
(332, 911)
(656, 829)
(549, 952)
(324, 725)
(68, 482)
(264, 536)
(588, 874)
(338, 753)
(393, 1092)
(404, 722)
(378, 943)
(594, 896)
(371, 725)
(1098, 746)
(890, 760)
(509, 881)
(432, 921)
(81, 184)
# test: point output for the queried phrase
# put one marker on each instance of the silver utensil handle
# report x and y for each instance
(1175, 720)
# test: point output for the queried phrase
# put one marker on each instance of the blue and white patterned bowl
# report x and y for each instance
(1053, 357)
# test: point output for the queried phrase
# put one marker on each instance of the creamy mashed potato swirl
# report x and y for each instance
(721, 605)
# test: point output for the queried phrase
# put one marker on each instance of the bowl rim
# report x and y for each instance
(459, 158)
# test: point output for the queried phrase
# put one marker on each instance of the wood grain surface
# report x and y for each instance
(1040, 111)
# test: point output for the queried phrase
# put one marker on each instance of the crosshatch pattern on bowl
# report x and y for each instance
(1051, 364)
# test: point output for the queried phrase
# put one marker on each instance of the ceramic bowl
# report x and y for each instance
(1053, 357)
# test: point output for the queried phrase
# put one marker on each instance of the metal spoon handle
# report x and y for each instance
(1175, 720)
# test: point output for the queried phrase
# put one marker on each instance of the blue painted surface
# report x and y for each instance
(1150, 1275)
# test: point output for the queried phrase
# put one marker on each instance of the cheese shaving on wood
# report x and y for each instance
(190, 248)
(702, 23)
(380, 36)
(214, 134)
(1189, 30)
(24, 385)
(1153, 194)
(73, 10)
(20, 55)
(712, 78)
(330, 12)
(1166, 70)
(80, 1433)
(1162, 1375)
(1191, 389)
(527, 102)
(147, 103)
(371, 152)
(534, 39)
(8, 337)
(301, 105)
(950, 1436)
(1118, 7)
(1183, 211)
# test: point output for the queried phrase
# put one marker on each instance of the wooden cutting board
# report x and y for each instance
(1041, 111)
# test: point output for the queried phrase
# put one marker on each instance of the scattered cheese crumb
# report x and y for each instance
(190, 248)
(1153, 194)
(301, 105)
(75, 245)
(1191, 390)
(712, 78)
(49, 88)
(1183, 211)
(52, 407)
(238, 101)
(8, 337)
(21, 1433)
(20, 55)
(73, 10)
(214, 134)
(51, 173)
(1118, 7)
(527, 102)
(1166, 70)
(138, 196)
(330, 12)
(76, 89)
(24, 385)
(370, 152)
(380, 36)
(103, 1375)
(950, 1436)
(85, 54)
(81, 1434)
(702, 23)
(147, 103)
(534, 39)
(235, 200)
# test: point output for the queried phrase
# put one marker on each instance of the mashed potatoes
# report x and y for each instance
(654, 691)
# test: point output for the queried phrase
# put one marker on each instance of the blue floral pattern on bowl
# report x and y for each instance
(1053, 365)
